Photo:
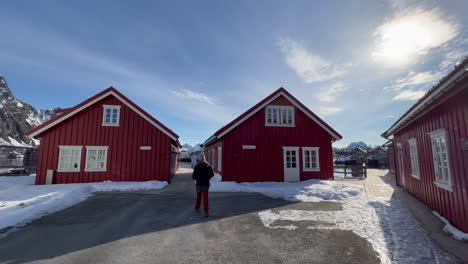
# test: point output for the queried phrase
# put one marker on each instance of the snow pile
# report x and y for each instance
(21, 201)
(307, 191)
(385, 223)
(450, 229)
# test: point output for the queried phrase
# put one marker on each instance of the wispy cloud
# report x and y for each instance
(411, 33)
(415, 80)
(409, 95)
(329, 110)
(310, 67)
(329, 94)
(191, 95)
(452, 57)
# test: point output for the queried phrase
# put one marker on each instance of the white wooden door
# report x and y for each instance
(400, 164)
(291, 164)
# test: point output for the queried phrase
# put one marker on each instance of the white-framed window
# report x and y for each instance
(441, 159)
(69, 158)
(278, 115)
(413, 150)
(220, 158)
(111, 115)
(96, 158)
(310, 158)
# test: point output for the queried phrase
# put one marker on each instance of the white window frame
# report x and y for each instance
(413, 151)
(437, 135)
(97, 148)
(317, 152)
(279, 120)
(60, 166)
(111, 107)
(220, 158)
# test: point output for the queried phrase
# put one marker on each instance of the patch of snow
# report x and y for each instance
(2, 103)
(19, 104)
(385, 223)
(450, 229)
(21, 201)
(13, 142)
(307, 191)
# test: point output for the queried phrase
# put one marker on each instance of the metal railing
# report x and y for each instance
(355, 171)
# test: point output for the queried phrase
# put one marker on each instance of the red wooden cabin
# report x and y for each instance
(107, 137)
(278, 139)
(431, 147)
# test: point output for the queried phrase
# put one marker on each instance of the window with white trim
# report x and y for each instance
(441, 159)
(276, 115)
(69, 158)
(96, 158)
(111, 115)
(413, 150)
(310, 158)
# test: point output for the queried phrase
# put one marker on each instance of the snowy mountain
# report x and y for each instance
(187, 147)
(360, 144)
(17, 117)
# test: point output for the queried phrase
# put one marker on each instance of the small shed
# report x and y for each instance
(278, 139)
(106, 137)
(431, 147)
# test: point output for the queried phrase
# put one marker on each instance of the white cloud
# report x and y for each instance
(307, 65)
(411, 33)
(409, 95)
(201, 97)
(329, 110)
(416, 79)
(330, 93)
(452, 57)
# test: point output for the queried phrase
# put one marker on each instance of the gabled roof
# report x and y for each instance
(440, 90)
(262, 104)
(69, 112)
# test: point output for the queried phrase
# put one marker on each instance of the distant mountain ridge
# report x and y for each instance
(17, 117)
(190, 149)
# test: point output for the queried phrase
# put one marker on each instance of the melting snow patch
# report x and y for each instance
(450, 229)
(21, 201)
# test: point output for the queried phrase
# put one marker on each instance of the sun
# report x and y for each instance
(402, 39)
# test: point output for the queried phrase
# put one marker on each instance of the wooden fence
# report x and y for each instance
(354, 171)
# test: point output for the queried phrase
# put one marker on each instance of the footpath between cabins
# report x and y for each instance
(384, 222)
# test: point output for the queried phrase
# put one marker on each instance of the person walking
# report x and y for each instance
(202, 175)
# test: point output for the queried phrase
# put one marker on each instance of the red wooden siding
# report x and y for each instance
(125, 162)
(452, 116)
(391, 158)
(265, 163)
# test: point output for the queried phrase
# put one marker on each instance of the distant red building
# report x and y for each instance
(430, 143)
(106, 137)
(278, 139)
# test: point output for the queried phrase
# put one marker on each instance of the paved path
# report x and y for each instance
(161, 227)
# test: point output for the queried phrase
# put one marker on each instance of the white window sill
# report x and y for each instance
(62, 170)
(315, 169)
(279, 125)
(111, 125)
(444, 186)
(95, 170)
(415, 176)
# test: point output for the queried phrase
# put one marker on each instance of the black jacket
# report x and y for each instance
(202, 174)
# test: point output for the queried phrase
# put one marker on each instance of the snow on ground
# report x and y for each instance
(21, 201)
(450, 229)
(384, 222)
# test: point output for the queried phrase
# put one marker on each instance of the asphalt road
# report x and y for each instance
(162, 227)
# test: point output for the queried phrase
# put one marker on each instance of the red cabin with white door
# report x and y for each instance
(430, 143)
(107, 137)
(278, 139)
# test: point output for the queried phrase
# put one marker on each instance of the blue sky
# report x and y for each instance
(196, 65)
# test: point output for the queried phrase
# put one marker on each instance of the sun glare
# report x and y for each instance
(402, 39)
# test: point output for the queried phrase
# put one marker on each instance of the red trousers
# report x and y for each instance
(205, 200)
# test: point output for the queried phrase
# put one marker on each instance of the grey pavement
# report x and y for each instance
(161, 227)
